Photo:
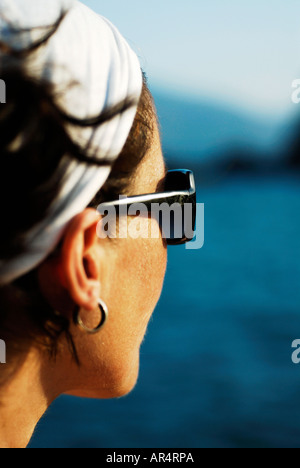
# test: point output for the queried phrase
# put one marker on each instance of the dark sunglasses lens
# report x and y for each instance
(182, 223)
(179, 228)
(178, 180)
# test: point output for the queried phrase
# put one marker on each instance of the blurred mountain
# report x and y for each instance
(204, 132)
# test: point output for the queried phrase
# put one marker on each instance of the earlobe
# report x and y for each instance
(80, 270)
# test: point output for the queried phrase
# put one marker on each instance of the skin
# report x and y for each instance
(127, 274)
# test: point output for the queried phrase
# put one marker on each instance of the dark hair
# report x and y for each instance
(35, 148)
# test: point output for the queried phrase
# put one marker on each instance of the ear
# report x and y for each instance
(77, 269)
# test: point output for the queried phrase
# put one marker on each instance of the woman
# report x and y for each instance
(78, 129)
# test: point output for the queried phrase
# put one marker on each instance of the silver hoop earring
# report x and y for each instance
(92, 331)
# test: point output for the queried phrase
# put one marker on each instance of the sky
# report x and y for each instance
(245, 54)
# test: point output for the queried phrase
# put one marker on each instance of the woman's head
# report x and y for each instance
(42, 144)
(128, 276)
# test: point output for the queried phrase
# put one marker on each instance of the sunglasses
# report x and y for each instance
(175, 208)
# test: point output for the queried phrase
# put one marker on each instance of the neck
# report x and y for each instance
(25, 395)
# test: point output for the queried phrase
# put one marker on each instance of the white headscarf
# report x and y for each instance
(88, 49)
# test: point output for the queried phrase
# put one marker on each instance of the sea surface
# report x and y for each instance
(216, 368)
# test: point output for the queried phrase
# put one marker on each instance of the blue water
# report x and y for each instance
(216, 367)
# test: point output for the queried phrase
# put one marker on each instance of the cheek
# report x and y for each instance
(146, 265)
(134, 300)
(152, 271)
(135, 285)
